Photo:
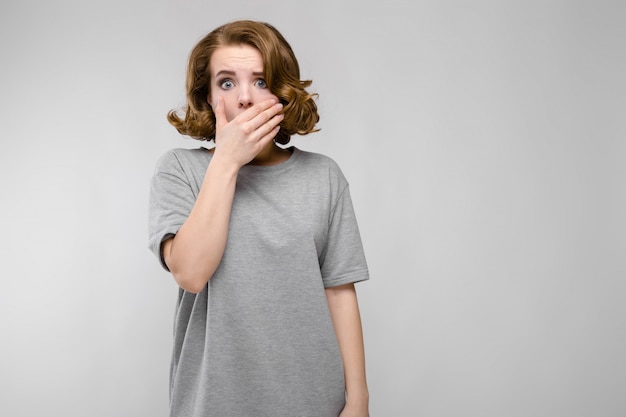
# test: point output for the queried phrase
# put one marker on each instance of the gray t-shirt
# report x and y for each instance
(258, 340)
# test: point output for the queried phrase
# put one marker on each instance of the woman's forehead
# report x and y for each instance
(236, 58)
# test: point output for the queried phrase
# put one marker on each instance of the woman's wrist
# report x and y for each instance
(224, 166)
(359, 396)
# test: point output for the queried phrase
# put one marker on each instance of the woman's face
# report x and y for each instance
(237, 76)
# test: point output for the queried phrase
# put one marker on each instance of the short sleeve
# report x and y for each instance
(343, 259)
(170, 202)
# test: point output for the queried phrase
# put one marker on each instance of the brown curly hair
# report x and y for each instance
(281, 72)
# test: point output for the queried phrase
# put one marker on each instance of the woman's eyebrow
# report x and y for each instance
(225, 72)
(232, 73)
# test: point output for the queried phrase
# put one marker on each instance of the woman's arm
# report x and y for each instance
(195, 252)
(344, 310)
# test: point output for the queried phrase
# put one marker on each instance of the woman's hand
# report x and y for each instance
(240, 140)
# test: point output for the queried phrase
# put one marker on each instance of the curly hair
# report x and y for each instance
(281, 72)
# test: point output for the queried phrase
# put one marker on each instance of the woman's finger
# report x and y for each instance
(266, 116)
(220, 114)
(259, 114)
(264, 140)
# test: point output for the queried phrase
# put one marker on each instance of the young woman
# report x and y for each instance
(261, 239)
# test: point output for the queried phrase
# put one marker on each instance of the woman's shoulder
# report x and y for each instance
(321, 166)
(177, 159)
(317, 160)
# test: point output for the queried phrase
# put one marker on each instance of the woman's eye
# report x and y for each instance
(226, 84)
(261, 83)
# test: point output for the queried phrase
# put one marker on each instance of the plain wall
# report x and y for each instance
(485, 146)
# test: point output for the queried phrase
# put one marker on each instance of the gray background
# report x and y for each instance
(484, 143)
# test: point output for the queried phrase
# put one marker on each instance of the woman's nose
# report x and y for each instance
(245, 98)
